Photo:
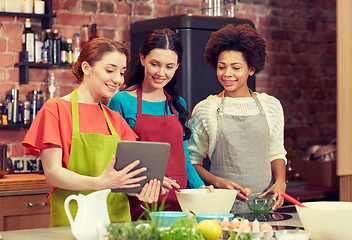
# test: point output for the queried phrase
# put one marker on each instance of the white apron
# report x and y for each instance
(241, 152)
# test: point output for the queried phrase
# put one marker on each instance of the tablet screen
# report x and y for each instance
(153, 156)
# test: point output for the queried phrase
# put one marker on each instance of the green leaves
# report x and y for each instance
(142, 230)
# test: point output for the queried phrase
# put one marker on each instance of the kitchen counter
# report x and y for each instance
(58, 233)
(21, 184)
(64, 233)
(23, 203)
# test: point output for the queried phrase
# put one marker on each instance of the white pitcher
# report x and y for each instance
(92, 214)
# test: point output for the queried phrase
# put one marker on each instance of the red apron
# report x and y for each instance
(162, 128)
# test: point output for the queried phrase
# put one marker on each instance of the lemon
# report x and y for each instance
(210, 228)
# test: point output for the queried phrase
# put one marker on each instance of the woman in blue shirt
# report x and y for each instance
(153, 108)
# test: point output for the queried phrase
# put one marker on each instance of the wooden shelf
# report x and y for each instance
(42, 65)
(12, 126)
(27, 15)
(47, 18)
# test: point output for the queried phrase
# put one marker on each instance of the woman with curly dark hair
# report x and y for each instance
(152, 106)
(240, 130)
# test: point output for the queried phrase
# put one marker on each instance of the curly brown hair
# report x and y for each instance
(241, 38)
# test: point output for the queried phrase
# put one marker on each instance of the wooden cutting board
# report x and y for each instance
(30, 181)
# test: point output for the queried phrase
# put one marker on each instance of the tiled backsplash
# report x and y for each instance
(29, 164)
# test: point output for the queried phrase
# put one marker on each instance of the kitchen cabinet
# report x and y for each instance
(23, 203)
(24, 212)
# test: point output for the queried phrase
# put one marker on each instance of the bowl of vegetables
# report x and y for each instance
(211, 216)
(167, 218)
(203, 200)
(326, 219)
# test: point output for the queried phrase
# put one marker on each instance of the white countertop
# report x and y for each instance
(64, 233)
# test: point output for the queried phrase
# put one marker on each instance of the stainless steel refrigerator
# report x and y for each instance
(196, 79)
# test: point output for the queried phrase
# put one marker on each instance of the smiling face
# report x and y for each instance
(160, 66)
(106, 76)
(233, 72)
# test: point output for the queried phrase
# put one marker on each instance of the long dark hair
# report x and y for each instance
(169, 40)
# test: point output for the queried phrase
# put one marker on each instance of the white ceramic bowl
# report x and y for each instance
(202, 200)
(327, 220)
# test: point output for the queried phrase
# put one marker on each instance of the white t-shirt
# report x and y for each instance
(203, 123)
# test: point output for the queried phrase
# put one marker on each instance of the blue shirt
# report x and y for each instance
(126, 105)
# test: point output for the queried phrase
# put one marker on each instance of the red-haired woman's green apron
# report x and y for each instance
(90, 154)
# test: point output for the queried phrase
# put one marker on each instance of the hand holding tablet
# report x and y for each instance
(152, 155)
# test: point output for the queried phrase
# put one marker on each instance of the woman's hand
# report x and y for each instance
(275, 189)
(150, 192)
(242, 194)
(168, 184)
(210, 187)
(124, 178)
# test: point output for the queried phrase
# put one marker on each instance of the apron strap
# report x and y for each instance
(139, 100)
(111, 128)
(75, 117)
(168, 102)
(256, 100)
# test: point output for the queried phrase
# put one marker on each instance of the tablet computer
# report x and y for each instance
(153, 156)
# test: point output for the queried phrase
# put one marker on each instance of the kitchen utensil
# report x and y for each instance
(144, 208)
(263, 204)
(203, 200)
(167, 218)
(210, 216)
(192, 212)
(326, 220)
(92, 214)
(292, 199)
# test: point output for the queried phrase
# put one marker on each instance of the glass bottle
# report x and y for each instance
(93, 33)
(8, 109)
(14, 93)
(56, 47)
(48, 43)
(63, 51)
(76, 47)
(45, 54)
(38, 48)
(69, 51)
(84, 35)
(27, 112)
(28, 40)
